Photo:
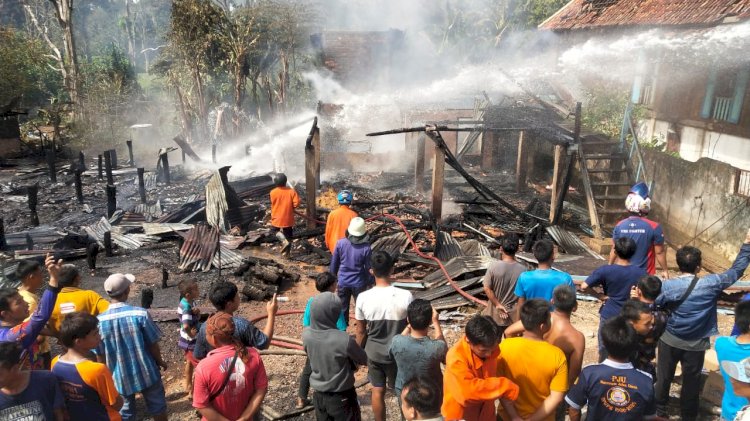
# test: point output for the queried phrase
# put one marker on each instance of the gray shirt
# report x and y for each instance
(501, 278)
(418, 358)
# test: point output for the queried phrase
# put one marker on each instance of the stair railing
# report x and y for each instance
(634, 160)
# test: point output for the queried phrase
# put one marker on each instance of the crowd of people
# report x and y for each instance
(520, 358)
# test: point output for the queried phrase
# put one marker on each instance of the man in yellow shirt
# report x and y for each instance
(538, 368)
(29, 272)
(72, 298)
(339, 219)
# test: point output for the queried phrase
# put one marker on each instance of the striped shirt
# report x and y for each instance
(185, 310)
(127, 332)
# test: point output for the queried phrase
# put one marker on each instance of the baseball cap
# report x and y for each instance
(117, 283)
(739, 371)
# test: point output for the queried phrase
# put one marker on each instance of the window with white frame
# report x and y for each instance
(725, 94)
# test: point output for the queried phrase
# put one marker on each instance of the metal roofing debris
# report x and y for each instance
(442, 291)
(455, 300)
(393, 244)
(59, 254)
(586, 14)
(457, 267)
(126, 241)
(38, 235)
(199, 248)
(569, 242)
(232, 242)
(447, 247)
(253, 187)
(242, 215)
(229, 258)
(152, 228)
(474, 248)
(150, 212)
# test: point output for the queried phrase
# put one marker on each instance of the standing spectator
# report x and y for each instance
(420, 400)
(647, 234)
(691, 324)
(283, 202)
(351, 263)
(89, 390)
(641, 316)
(617, 280)
(189, 317)
(72, 298)
(538, 368)
(734, 349)
(29, 272)
(540, 283)
(339, 219)
(324, 282)
(381, 315)
(739, 378)
(27, 395)
(14, 310)
(415, 354)
(500, 282)
(130, 348)
(231, 382)
(613, 390)
(471, 384)
(647, 292)
(333, 356)
(225, 297)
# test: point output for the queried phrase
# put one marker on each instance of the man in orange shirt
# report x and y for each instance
(471, 384)
(283, 201)
(339, 219)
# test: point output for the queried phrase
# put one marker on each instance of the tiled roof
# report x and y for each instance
(579, 14)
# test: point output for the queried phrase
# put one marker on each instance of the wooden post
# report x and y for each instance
(33, 191)
(101, 167)
(312, 173)
(29, 242)
(81, 161)
(108, 167)
(489, 146)
(522, 164)
(316, 145)
(111, 200)
(571, 163)
(130, 152)
(141, 185)
(183, 156)
(419, 165)
(51, 165)
(438, 175)
(3, 243)
(79, 186)
(113, 157)
(108, 244)
(165, 168)
(213, 153)
(560, 155)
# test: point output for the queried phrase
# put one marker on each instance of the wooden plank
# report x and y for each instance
(489, 146)
(557, 174)
(590, 203)
(522, 162)
(419, 164)
(438, 177)
(312, 173)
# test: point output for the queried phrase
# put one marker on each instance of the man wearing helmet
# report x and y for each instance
(647, 234)
(339, 219)
(283, 201)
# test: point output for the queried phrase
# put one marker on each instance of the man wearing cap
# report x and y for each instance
(339, 219)
(130, 348)
(647, 234)
(351, 263)
(739, 379)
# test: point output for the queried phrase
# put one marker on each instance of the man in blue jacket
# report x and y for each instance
(351, 264)
(691, 324)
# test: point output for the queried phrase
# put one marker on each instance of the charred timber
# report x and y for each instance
(449, 129)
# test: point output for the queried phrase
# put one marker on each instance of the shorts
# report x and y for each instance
(381, 374)
(189, 357)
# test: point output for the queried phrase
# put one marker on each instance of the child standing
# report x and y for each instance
(189, 316)
(88, 386)
(325, 282)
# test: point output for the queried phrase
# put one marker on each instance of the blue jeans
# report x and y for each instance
(156, 402)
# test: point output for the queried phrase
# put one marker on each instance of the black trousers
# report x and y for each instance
(692, 364)
(304, 380)
(337, 406)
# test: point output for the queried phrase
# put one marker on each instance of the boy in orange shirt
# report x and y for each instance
(72, 298)
(339, 219)
(538, 367)
(470, 383)
(283, 202)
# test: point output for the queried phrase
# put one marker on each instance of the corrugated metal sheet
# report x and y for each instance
(243, 215)
(599, 13)
(253, 187)
(39, 235)
(126, 241)
(455, 300)
(474, 248)
(447, 247)
(151, 228)
(457, 267)
(199, 248)
(435, 293)
(569, 242)
(229, 258)
(150, 212)
(393, 244)
(7, 274)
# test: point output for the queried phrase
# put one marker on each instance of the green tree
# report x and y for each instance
(25, 71)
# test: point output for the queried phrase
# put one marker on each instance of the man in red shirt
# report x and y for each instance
(231, 381)
(283, 201)
(339, 219)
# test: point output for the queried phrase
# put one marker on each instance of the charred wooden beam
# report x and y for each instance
(79, 186)
(449, 129)
(141, 185)
(522, 162)
(165, 167)
(101, 167)
(558, 206)
(111, 200)
(130, 152)
(557, 174)
(108, 167)
(419, 165)
(3, 243)
(32, 191)
(81, 161)
(438, 178)
(108, 244)
(113, 157)
(51, 165)
(312, 173)
(182, 143)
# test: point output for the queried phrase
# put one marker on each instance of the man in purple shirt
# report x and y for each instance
(351, 264)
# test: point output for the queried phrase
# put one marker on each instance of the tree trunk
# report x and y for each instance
(202, 110)
(130, 31)
(187, 125)
(240, 82)
(64, 13)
